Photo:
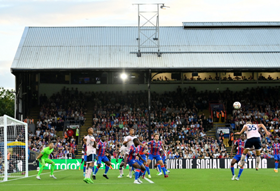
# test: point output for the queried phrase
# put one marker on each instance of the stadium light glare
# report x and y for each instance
(123, 76)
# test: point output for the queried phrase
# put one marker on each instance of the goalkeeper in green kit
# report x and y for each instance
(43, 158)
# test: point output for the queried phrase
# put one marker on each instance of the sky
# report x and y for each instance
(17, 14)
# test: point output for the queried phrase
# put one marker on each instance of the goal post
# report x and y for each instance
(13, 148)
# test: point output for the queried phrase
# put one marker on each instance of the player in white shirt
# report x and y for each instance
(253, 139)
(128, 141)
(90, 142)
(122, 152)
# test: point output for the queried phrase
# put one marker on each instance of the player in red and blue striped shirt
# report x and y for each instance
(155, 147)
(240, 143)
(143, 150)
(131, 161)
(101, 157)
(163, 156)
(276, 147)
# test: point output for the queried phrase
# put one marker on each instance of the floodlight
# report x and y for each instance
(123, 76)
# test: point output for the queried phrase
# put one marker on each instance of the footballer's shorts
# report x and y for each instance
(90, 158)
(255, 141)
(131, 162)
(157, 157)
(277, 157)
(102, 159)
(237, 157)
(85, 157)
(43, 161)
(164, 159)
(145, 159)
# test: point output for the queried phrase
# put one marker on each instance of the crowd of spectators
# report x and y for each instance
(67, 106)
(228, 77)
(64, 147)
(176, 115)
(58, 110)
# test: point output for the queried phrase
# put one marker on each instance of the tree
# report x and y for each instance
(7, 102)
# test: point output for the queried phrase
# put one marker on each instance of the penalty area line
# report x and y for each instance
(149, 180)
(30, 176)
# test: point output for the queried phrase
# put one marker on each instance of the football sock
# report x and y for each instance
(148, 169)
(130, 171)
(258, 160)
(163, 169)
(232, 170)
(159, 168)
(141, 173)
(106, 169)
(41, 170)
(121, 171)
(96, 170)
(276, 164)
(84, 168)
(137, 172)
(89, 170)
(52, 168)
(243, 157)
(240, 172)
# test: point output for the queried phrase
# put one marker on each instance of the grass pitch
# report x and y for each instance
(179, 180)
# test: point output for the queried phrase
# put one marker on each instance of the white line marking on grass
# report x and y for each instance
(30, 176)
(55, 184)
(149, 180)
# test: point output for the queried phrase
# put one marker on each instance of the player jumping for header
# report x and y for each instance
(101, 157)
(253, 139)
(240, 143)
(43, 158)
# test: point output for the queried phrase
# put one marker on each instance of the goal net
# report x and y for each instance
(13, 148)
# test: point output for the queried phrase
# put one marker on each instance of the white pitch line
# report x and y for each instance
(149, 180)
(55, 184)
(30, 176)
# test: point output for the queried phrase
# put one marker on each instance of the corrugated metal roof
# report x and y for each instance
(230, 24)
(111, 47)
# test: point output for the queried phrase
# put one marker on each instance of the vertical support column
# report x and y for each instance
(157, 28)
(149, 102)
(139, 53)
(15, 105)
(5, 149)
(26, 150)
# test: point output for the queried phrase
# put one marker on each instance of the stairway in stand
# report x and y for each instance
(83, 129)
(34, 113)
